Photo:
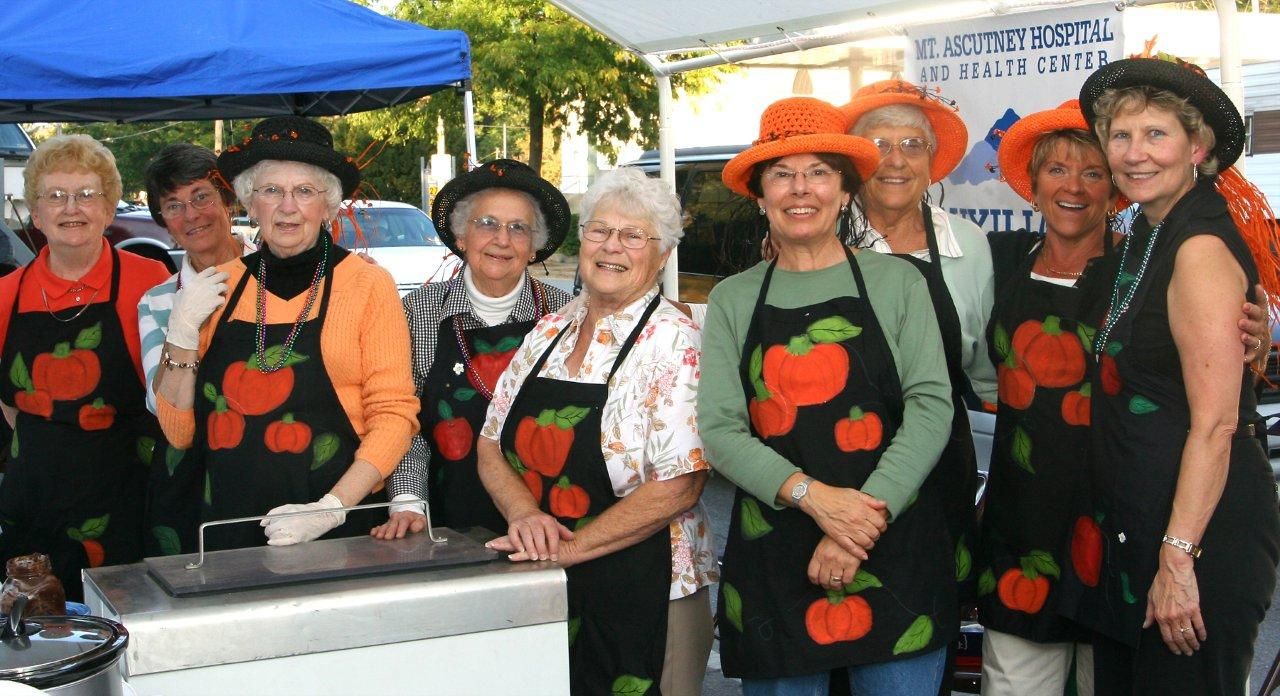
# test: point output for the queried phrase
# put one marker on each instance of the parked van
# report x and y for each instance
(724, 231)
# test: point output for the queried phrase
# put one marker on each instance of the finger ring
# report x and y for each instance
(836, 579)
(1184, 629)
(1257, 343)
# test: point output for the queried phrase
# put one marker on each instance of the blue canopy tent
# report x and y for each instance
(150, 60)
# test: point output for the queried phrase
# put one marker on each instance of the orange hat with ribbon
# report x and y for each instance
(944, 118)
(1019, 143)
(799, 125)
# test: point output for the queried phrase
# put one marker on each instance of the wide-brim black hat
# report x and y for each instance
(290, 139)
(1186, 80)
(510, 174)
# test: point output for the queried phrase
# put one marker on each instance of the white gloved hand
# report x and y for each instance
(302, 528)
(192, 306)
(402, 506)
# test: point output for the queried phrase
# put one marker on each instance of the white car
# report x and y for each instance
(401, 239)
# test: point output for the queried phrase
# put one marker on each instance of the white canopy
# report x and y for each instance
(728, 31)
(660, 26)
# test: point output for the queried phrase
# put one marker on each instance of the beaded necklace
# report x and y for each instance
(539, 302)
(283, 357)
(1118, 307)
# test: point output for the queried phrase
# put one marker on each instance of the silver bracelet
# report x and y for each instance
(1190, 548)
(167, 361)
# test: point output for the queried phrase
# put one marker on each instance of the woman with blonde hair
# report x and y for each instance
(76, 477)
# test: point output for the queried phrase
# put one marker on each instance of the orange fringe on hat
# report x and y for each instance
(364, 159)
(1257, 224)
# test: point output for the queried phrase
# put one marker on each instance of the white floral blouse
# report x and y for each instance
(648, 428)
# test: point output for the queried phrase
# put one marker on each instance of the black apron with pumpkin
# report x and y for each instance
(265, 439)
(956, 474)
(823, 391)
(75, 483)
(617, 603)
(1141, 406)
(1031, 532)
(455, 398)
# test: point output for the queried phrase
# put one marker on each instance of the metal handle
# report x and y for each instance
(426, 511)
(14, 628)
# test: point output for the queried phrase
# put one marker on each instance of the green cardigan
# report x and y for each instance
(901, 302)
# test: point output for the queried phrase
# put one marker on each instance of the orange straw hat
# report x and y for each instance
(1019, 142)
(944, 118)
(799, 125)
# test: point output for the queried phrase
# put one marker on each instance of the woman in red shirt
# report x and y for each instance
(72, 379)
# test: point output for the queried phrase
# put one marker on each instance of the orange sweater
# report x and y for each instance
(365, 344)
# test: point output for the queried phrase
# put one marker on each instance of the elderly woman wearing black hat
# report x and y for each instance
(825, 398)
(498, 218)
(1183, 498)
(298, 389)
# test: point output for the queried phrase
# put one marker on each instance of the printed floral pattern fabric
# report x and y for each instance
(648, 428)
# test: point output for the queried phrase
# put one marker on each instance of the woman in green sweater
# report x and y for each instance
(825, 398)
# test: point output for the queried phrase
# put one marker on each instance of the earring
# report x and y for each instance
(1035, 208)
(762, 210)
(1195, 172)
(844, 208)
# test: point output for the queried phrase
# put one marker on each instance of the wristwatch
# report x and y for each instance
(800, 490)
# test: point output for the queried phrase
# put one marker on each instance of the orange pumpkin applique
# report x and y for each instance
(1025, 589)
(71, 371)
(568, 499)
(838, 617)
(543, 443)
(1075, 406)
(813, 367)
(287, 435)
(1053, 357)
(860, 431)
(97, 415)
(253, 392)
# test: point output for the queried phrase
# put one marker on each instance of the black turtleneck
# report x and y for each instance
(289, 277)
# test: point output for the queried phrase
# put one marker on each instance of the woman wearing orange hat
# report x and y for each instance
(1188, 530)
(825, 398)
(1047, 287)
(921, 138)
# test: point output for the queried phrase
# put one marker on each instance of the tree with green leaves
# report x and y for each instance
(532, 59)
(134, 144)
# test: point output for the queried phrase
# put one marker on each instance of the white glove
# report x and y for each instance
(192, 306)
(302, 528)
(401, 506)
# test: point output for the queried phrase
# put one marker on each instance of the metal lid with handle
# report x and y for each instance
(49, 651)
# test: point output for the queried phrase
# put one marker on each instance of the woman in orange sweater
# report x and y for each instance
(299, 388)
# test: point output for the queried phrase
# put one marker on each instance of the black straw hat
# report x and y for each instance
(291, 139)
(1184, 79)
(510, 174)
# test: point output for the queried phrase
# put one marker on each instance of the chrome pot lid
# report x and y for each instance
(46, 651)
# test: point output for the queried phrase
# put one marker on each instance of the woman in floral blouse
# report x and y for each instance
(592, 454)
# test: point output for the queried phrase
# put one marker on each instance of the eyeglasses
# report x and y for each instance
(61, 199)
(203, 199)
(629, 237)
(489, 224)
(301, 194)
(817, 176)
(909, 147)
